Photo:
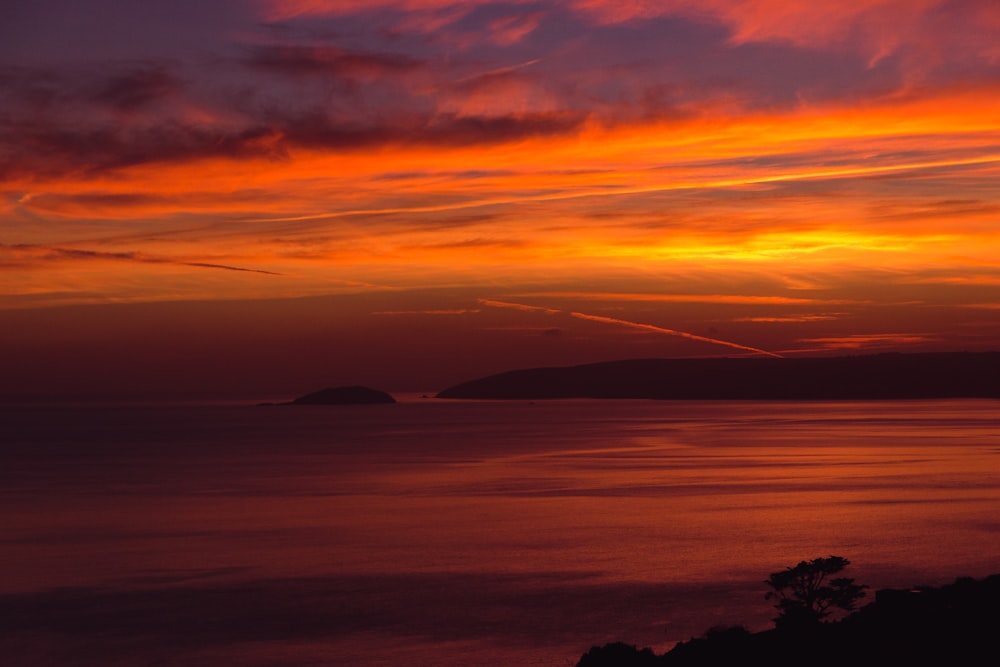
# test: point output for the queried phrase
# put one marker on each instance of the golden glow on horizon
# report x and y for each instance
(535, 169)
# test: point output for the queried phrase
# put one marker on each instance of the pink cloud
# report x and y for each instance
(509, 30)
(924, 33)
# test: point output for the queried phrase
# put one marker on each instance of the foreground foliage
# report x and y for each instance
(955, 624)
(808, 593)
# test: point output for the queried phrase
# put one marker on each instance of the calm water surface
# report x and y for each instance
(464, 533)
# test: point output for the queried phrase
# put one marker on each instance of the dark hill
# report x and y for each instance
(344, 396)
(871, 377)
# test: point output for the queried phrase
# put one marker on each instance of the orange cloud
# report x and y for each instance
(871, 341)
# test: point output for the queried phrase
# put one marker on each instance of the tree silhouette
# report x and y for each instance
(806, 594)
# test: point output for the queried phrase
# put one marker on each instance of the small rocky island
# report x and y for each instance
(344, 396)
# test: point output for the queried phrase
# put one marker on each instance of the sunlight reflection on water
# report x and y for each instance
(437, 530)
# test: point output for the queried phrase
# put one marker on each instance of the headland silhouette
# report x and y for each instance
(867, 377)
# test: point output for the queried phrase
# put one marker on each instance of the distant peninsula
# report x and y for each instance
(343, 396)
(862, 377)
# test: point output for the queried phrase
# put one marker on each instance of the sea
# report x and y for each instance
(451, 533)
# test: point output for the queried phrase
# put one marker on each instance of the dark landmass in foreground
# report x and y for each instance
(343, 396)
(955, 624)
(872, 377)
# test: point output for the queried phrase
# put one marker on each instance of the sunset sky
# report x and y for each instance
(270, 196)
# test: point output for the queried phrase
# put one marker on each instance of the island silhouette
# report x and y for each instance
(862, 377)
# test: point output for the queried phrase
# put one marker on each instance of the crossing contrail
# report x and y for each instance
(629, 324)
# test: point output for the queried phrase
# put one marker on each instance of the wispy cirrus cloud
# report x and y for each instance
(431, 311)
(786, 319)
(695, 298)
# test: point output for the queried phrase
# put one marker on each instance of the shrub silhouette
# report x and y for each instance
(619, 654)
(806, 594)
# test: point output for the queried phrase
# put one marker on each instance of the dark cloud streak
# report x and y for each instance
(138, 88)
(56, 253)
(40, 149)
(291, 60)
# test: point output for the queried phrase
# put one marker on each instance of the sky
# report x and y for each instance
(272, 196)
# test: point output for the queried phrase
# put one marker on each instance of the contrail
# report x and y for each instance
(631, 325)
(518, 306)
(672, 332)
